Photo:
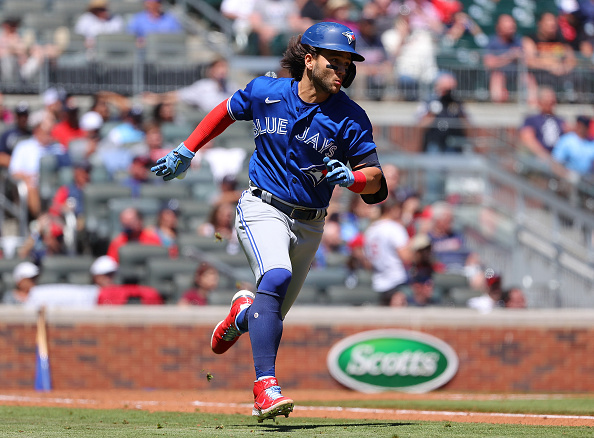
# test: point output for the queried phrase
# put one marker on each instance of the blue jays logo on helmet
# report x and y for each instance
(331, 36)
(350, 36)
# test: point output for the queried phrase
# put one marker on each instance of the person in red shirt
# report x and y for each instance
(133, 230)
(206, 279)
(68, 128)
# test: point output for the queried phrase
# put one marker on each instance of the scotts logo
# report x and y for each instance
(400, 360)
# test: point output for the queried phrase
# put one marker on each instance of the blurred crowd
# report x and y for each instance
(405, 245)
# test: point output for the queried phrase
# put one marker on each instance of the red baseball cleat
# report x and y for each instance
(269, 402)
(226, 332)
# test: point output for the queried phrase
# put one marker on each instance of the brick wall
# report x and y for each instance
(98, 354)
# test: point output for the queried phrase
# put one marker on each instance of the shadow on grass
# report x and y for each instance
(274, 427)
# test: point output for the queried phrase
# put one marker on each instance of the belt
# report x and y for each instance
(293, 211)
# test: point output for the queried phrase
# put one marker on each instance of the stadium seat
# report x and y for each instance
(176, 189)
(133, 259)
(192, 214)
(18, 8)
(6, 268)
(161, 273)
(96, 197)
(341, 295)
(125, 7)
(65, 269)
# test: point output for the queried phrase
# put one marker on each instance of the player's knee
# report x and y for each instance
(276, 281)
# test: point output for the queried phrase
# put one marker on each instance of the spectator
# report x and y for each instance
(501, 59)
(6, 116)
(228, 192)
(387, 249)
(205, 93)
(540, 132)
(376, 68)
(575, 151)
(411, 43)
(449, 246)
(122, 142)
(14, 134)
(84, 148)
(490, 300)
(53, 99)
(46, 238)
(129, 293)
(104, 101)
(313, 10)
(220, 225)
(341, 11)
(514, 298)
(154, 145)
(24, 276)
(103, 271)
(138, 174)
(68, 128)
(239, 12)
(167, 227)
(96, 21)
(129, 130)
(399, 299)
(272, 23)
(13, 50)
(25, 161)
(549, 58)
(206, 280)
(422, 260)
(152, 20)
(423, 292)
(133, 230)
(332, 244)
(383, 12)
(70, 197)
(443, 118)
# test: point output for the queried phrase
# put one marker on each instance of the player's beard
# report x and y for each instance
(323, 79)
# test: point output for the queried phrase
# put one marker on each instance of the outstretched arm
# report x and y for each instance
(177, 162)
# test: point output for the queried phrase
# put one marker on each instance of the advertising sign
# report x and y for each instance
(400, 360)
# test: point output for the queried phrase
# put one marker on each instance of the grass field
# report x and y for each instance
(33, 421)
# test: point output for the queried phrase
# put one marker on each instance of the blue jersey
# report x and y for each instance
(292, 138)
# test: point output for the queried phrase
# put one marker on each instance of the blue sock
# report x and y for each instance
(264, 320)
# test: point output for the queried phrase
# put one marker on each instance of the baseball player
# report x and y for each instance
(307, 133)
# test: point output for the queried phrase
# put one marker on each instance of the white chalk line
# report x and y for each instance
(198, 403)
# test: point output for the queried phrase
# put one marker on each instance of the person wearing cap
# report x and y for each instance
(84, 148)
(24, 276)
(422, 289)
(153, 20)
(574, 151)
(97, 20)
(103, 271)
(14, 134)
(307, 132)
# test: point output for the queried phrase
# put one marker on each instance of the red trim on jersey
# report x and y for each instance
(360, 182)
(213, 124)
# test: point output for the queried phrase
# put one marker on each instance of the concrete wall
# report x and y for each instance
(168, 347)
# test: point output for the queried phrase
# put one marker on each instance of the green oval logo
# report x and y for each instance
(402, 360)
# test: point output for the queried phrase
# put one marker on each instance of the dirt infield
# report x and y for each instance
(239, 403)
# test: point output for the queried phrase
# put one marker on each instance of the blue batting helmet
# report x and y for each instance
(332, 36)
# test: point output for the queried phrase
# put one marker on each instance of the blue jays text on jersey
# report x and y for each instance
(292, 138)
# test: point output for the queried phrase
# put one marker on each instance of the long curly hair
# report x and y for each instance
(294, 57)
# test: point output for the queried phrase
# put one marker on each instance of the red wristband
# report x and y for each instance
(360, 182)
